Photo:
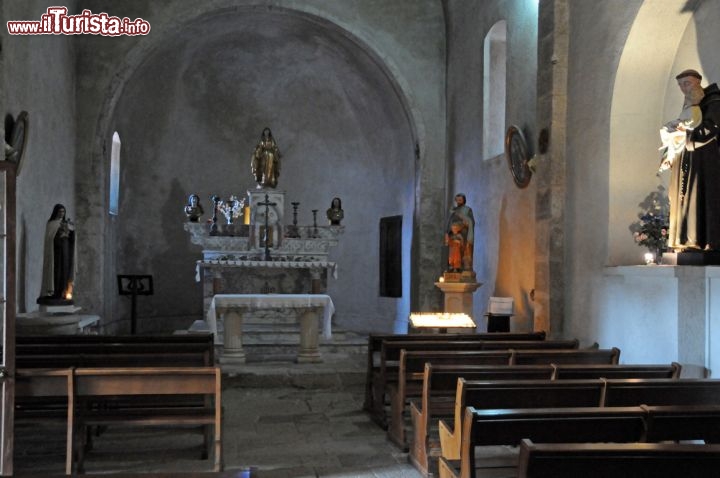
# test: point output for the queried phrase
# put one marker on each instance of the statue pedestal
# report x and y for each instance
(691, 258)
(458, 296)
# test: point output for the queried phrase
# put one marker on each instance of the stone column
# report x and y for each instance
(232, 337)
(309, 335)
(550, 166)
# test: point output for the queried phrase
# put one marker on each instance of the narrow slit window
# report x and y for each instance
(494, 78)
(114, 199)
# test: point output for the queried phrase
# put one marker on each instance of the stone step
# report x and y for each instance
(337, 371)
(288, 352)
(270, 342)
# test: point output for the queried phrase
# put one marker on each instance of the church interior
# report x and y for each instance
(543, 114)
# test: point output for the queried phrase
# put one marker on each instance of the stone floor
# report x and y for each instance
(281, 419)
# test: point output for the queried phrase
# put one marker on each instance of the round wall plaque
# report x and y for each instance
(516, 153)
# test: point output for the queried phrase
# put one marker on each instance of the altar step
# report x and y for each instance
(263, 343)
(280, 341)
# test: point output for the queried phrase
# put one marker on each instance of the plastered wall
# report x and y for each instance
(38, 76)
(353, 94)
(504, 214)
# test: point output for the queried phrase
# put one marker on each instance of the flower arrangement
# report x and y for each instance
(651, 228)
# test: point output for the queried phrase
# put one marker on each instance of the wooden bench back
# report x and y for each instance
(114, 353)
(528, 394)
(625, 393)
(531, 344)
(684, 422)
(112, 339)
(574, 424)
(375, 340)
(147, 381)
(442, 378)
(413, 361)
(390, 351)
(619, 460)
(586, 371)
(583, 356)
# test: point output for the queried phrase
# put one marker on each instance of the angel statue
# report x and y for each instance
(266, 161)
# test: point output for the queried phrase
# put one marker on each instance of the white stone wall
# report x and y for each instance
(504, 214)
(38, 76)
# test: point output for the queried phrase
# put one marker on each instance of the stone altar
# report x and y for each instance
(233, 257)
(233, 307)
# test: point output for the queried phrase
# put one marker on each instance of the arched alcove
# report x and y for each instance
(638, 107)
(192, 112)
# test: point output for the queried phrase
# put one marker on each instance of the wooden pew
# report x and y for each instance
(42, 395)
(375, 344)
(450, 434)
(615, 393)
(578, 425)
(388, 371)
(409, 378)
(110, 383)
(437, 399)
(439, 385)
(547, 425)
(515, 394)
(694, 416)
(34, 387)
(572, 460)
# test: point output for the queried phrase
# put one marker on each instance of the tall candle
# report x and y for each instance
(246, 217)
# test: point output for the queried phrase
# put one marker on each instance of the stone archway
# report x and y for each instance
(135, 59)
(637, 112)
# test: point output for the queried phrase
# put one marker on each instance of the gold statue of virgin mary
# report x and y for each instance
(265, 161)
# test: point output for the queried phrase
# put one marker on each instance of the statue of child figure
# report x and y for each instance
(456, 244)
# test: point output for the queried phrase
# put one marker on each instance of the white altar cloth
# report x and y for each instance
(271, 301)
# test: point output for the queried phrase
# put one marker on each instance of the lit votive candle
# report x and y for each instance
(649, 258)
